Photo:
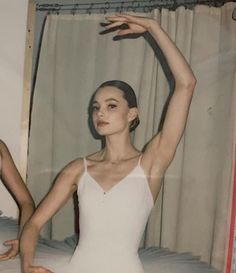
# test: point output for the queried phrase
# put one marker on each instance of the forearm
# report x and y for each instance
(26, 210)
(28, 241)
(181, 70)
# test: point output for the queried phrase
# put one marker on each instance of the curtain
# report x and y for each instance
(192, 210)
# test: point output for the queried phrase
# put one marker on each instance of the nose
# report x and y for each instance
(100, 112)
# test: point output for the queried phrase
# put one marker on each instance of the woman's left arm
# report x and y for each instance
(164, 144)
(161, 148)
(16, 186)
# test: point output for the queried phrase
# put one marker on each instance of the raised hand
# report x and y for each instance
(12, 252)
(37, 269)
(136, 24)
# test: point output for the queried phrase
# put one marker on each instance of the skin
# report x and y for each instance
(119, 156)
(13, 181)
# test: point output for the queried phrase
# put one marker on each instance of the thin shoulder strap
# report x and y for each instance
(139, 160)
(85, 164)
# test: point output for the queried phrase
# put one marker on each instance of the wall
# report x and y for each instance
(13, 17)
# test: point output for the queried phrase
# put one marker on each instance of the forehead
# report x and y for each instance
(109, 92)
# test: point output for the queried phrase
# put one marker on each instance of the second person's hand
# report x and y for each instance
(12, 252)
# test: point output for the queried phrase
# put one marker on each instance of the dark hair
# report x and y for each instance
(128, 94)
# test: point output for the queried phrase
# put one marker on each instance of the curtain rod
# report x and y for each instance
(126, 6)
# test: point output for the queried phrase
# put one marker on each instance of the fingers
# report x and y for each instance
(38, 269)
(132, 24)
(121, 25)
(124, 14)
(113, 25)
(12, 252)
(7, 256)
(4, 257)
(10, 242)
(124, 32)
(42, 270)
(126, 18)
(116, 19)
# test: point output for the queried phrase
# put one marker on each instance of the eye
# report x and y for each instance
(95, 108)
(112, 106)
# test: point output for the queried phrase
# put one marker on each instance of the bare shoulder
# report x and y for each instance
(4, 151)
(74, 169)
(94, 157)
(2, 143)
(3, 146)
(76, 166)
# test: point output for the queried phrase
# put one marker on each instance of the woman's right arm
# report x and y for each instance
(16, 186)
(65, 185)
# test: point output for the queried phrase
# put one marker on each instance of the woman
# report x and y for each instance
(14, 183)
(117, 185)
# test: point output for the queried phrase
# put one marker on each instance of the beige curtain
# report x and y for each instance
(192, 211)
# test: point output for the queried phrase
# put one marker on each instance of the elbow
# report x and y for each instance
(190, 83)
(187, 84)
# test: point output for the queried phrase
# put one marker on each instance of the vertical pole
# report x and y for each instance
(27, 85)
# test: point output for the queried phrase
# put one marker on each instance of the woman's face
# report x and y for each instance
(110, 111)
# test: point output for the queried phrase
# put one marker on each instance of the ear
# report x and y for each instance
(132, 114)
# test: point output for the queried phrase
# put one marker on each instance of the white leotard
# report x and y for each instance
(111, 224)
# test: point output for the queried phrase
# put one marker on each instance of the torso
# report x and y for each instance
(113, 217)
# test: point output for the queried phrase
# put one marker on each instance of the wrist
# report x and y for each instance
(25, 265)
(25, 269)
(153, 24)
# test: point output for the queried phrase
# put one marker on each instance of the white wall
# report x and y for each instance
(13, 18)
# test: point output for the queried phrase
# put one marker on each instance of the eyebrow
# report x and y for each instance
(106, 100)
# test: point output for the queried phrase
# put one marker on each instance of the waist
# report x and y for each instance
(105, 261)
(102, 248)
(110, 242)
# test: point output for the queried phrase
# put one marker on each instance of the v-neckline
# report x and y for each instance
(117, 183)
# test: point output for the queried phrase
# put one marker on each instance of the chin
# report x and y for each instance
(108, 131)
(105, 132)
(102, 132)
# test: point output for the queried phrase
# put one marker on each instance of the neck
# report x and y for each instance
(118, 148)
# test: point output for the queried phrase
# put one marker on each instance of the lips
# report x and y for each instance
(102, 123)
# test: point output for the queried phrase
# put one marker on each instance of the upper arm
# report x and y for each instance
(12, 178)
(63, 188)
(161, 149)
(176, 117)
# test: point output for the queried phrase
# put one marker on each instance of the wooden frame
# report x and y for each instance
(27, 88)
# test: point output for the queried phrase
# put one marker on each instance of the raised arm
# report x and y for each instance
(65, 185)
(161, 149)
(165, 143)
(14, 183)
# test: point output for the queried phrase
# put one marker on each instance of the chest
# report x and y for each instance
(125, 199)
(107, 175)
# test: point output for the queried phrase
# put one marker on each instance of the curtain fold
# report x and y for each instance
(191, 213)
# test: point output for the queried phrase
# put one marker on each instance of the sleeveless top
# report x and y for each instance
(111, 224)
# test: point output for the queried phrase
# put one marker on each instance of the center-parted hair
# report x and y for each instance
(128, 94)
